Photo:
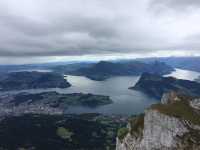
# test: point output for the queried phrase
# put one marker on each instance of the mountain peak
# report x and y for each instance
(166, 126)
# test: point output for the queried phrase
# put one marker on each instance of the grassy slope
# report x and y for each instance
(179, 109)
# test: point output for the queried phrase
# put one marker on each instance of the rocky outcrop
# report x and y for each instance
(170, 97)
(163, 130)
(195, 103)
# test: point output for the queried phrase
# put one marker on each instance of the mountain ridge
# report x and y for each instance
(32, 80)
(104, 69)
(155, 85)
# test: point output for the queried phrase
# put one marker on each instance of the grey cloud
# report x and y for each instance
(97, 27)
(72, 28)
(191, 42)
(177, 5)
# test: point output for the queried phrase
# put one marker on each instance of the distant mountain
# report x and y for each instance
(188, 63)
(103, 69)
(156, 86)
(70, 68)
(32, 80)
(56, 66)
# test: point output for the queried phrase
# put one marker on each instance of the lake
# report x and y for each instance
(184, 74)
(125, 101)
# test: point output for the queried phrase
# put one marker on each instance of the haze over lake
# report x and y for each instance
(184, 74)
(125, 101)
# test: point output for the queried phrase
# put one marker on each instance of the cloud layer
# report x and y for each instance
(32, 28)
(177, 4)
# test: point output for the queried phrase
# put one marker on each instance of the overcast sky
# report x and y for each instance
(54, 30)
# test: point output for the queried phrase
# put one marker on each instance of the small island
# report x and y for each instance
(48, 102)
(32, 80)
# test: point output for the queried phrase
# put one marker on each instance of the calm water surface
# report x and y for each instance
(184, 74)
(125, 101)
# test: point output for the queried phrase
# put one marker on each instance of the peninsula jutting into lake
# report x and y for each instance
(99, 75)
(31, 80)
(48, 102)
(155, 85)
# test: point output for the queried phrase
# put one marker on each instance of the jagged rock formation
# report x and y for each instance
(195, 103)
(172, 125)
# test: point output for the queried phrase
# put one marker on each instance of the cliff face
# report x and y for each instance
(163, 130)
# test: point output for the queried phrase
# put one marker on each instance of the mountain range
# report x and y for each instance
(104, 69)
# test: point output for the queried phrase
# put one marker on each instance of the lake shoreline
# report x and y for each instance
(125, 101)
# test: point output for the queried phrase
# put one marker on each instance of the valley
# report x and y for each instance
(99, 75)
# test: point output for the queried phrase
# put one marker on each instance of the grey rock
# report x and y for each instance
(195, 103)
(164, 132)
